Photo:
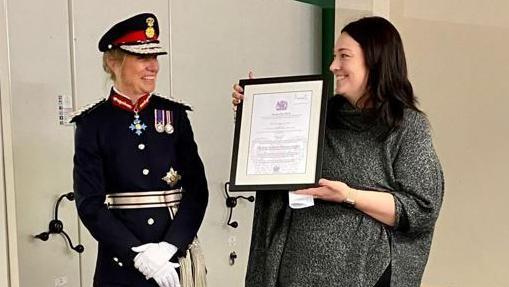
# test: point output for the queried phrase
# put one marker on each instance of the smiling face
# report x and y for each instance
(349, 68)
(135, 75)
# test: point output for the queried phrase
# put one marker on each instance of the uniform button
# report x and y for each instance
(120, 264)
(150, 221)
(115, 259)
(145, 171)
(141, 146)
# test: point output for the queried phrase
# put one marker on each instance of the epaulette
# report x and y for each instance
(85, 109)
(173, 100)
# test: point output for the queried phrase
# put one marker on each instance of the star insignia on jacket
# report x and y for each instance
(172, 177)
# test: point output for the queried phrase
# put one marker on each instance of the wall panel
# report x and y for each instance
(42, 149)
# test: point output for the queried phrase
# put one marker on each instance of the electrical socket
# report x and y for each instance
(61, 281)
(232, 240)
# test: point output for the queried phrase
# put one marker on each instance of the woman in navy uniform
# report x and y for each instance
(135, 164)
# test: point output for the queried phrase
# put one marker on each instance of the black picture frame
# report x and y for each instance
(266, 90)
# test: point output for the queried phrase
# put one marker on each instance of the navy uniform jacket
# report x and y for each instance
(111, 158)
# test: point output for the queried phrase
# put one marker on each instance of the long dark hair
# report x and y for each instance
(389, 91)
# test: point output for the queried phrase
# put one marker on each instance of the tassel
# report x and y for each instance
(193, 272)
(199, 268)
(186, 271)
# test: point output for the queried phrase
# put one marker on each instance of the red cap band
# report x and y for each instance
(133, 37)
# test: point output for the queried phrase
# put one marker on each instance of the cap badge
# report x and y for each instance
(150, 32)
(172, 177)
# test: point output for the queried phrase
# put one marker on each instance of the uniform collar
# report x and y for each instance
(125, 103)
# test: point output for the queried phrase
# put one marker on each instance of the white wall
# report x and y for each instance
(53, 51)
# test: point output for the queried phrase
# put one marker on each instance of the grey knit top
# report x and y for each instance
(331, 244)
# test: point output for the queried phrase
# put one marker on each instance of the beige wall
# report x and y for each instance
(458, 63)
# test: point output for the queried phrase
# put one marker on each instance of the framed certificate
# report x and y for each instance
(279, 130)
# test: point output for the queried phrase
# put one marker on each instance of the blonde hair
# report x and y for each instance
(115, 55)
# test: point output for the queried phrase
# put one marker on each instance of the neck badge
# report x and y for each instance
(137, 126)
(125, 103)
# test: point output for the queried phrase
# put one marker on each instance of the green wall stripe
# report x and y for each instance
(321, 3)
(328, 24)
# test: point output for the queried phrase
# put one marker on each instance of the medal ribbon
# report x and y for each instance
(159, 120)
(125, 103)
(168, 128)
(169, 117)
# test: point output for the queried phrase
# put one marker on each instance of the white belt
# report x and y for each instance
(144, 199)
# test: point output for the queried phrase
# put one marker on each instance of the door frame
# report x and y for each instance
(9, 271)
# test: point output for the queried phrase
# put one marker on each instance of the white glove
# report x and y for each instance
(167, 276)
(152, 256)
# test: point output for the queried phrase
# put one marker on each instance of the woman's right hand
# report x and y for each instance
(238, 93)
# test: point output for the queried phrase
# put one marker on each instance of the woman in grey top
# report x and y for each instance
(382, 185)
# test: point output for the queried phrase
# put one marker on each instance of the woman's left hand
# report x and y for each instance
(328, 190)
(378, 204)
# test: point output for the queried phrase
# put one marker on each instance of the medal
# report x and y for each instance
(162, 121)
(168, 128)
(159, 120)
(137, 126)
(159, 127)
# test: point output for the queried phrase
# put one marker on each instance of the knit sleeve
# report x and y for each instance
(419, 177)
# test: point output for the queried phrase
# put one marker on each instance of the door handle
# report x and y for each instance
(56, 226)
